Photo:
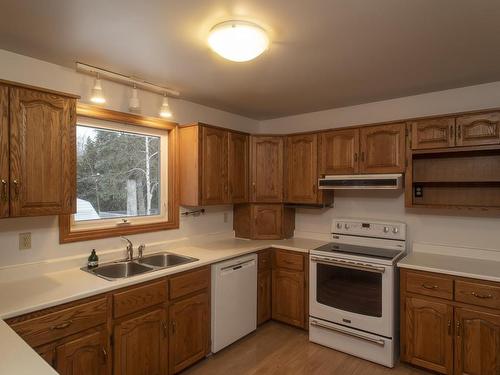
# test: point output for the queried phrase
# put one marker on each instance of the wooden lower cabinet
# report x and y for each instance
(189, 331)
(264, 291)
(445, 335)
(477, 345)
(288, 297)
(84, 355)
(428, 334)
(140, 344)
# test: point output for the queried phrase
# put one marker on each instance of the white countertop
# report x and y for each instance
(454, 261)
(26, 289)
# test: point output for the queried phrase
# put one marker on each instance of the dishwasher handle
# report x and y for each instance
(240, 265)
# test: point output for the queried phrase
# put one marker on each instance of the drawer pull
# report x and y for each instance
(427, 286)
(482, 296)
(62, 325)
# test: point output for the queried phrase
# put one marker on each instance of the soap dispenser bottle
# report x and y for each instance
(93, 260)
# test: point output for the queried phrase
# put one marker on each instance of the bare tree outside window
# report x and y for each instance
(118, 174)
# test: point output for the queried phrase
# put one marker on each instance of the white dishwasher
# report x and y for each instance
(234, 300)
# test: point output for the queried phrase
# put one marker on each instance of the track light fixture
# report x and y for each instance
(165, 108)
(97, 94)
(133, 104)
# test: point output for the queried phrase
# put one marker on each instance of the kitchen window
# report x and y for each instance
(124, 176)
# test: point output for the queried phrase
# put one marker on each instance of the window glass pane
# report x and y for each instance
(118, 174)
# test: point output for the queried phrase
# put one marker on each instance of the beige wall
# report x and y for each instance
(45, 232)
(452, 227)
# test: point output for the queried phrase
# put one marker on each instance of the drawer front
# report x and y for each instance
(264, 260)
(189, 283)
(477, 293)
(132, 300)
(429, 285)
(53, 326)
(284, 259)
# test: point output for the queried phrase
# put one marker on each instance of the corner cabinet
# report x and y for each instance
(214, 165)
(266, 155)
(450, 325)
(38, 152)
(263, 221)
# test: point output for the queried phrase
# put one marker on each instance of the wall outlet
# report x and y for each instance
(225, 217)
(24, 241)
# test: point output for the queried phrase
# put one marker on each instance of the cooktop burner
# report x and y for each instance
(371, 252)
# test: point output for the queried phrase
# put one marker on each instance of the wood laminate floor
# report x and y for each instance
(277, 349)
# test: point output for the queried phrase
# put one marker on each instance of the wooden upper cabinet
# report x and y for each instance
(238, 155)
(42, 153)
(84, 355)
(339, 152)
(382, 149)
(428, 339)
(214, 170)
(214, 165)
(267, 169)
(477, 347)
(190, 331)
(4, 151)
(140, 344)
(433, 133)
(302, 168)
(477, 130)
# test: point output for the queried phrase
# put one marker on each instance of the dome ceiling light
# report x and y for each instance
(238, 40)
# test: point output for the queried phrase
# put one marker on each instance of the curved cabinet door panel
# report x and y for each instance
(476, 130)
(339, 152)
(382, 149)
(433, 133)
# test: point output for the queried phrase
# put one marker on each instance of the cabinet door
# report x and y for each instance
(86, 355)
(267, 169)
(302, 168)
(433, 133)
(42, 153)
(4, 151)
(267, 221)
(429, 334)
(238, 155)
(190, 326)
(263, 296)
(477, 347)
(382, 149)
(48, 353)
(140, 345)
(288, 297)
(476, 130)
(339, 152)
(214, 188)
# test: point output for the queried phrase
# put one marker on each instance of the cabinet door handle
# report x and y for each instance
(432, 287)
(355, 156)
(173, 327)
(459, 135)
(452, 133)
(16, 184)
(458, 328)
(4, 195)
(165, 329)
(482, 296)
(104, 355)
(449, 327)
(63, 325)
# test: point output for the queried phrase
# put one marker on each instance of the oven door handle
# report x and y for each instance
(341, 331)
(352, 265)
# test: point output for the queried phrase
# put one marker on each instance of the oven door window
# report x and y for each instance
(349, 289)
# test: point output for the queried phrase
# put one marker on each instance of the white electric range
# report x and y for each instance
(353, 296)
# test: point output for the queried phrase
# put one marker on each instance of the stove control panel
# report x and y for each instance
(370, 228)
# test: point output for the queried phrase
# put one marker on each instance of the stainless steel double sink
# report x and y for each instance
(148, 263)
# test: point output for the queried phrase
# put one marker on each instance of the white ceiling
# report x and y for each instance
(324, 53)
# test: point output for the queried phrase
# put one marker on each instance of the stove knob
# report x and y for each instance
(339, 225)
(386, 229)
(395, 230)
(347, 226)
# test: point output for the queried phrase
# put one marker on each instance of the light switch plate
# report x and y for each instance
(25, 241)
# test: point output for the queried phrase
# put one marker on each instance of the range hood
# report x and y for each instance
(361, 181)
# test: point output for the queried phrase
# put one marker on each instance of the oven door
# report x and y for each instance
(354, 294)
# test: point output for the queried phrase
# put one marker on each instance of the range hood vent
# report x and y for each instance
(361, 181)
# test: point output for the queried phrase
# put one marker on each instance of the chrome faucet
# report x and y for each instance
(130, 249)
(141, 249)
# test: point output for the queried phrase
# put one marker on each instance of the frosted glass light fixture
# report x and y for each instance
(97, 94)
(238, 40)
(165, 108)
(133, 103)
